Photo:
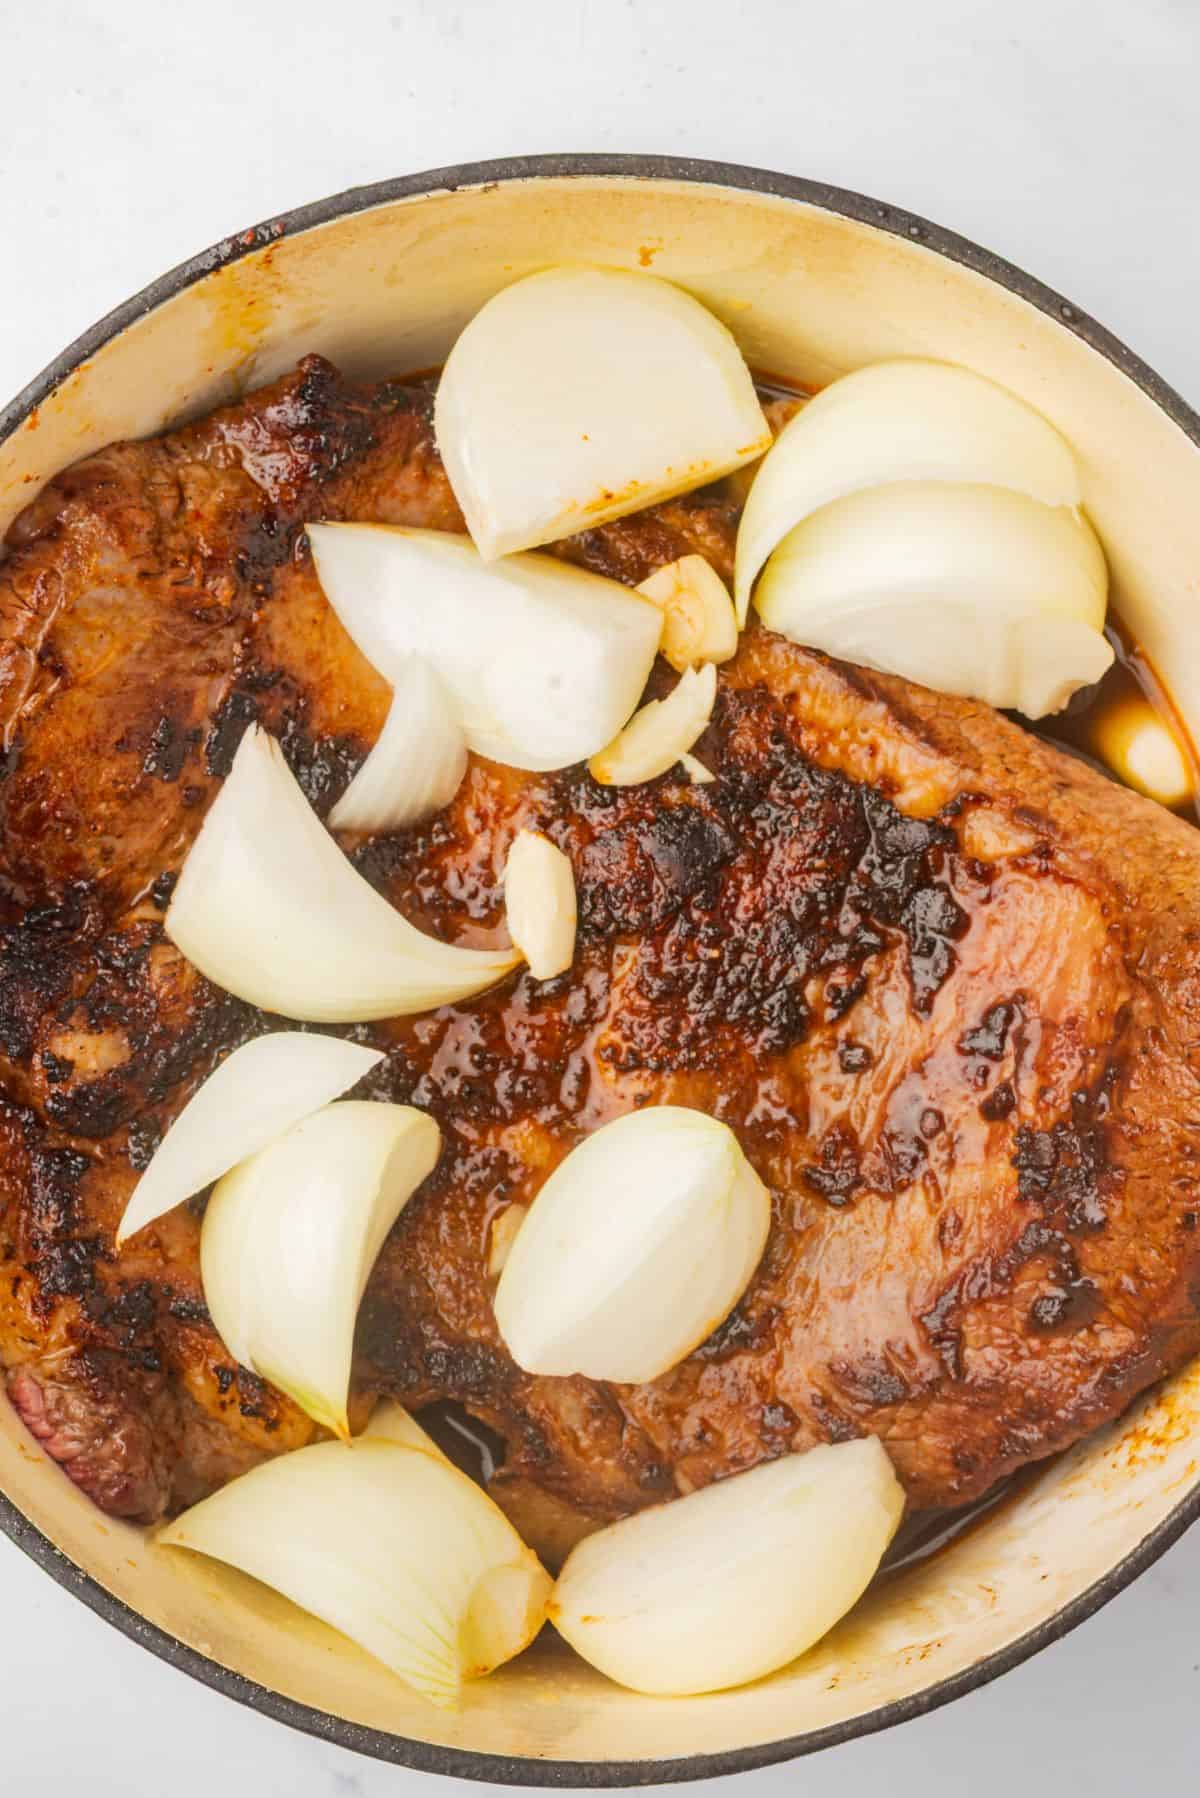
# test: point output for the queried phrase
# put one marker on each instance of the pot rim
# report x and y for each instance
(519, 1769)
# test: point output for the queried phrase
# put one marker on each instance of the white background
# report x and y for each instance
(1062, 133)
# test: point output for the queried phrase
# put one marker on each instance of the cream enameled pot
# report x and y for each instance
(813, 282)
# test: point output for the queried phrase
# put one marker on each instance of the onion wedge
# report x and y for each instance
(733, 1581)
(969, 590)
(418, 763)
(269, 908)
(391, 1545)
(619, 390)
(257, 1093)
(291, 1235)
(392, 1423)
(907, 420)
(638, 1245)
(544, 661)
(539, 903)
(661, 734)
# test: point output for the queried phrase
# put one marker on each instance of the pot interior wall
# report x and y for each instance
(809, 294)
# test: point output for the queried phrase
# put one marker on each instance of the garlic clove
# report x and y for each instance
(699, 624)
(539, 904)
(661, 734)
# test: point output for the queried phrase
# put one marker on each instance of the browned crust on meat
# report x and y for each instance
(939, 977)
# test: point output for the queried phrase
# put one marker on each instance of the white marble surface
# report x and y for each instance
(1062, 133)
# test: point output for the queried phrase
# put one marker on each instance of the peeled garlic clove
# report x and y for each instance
(660, 734)
(269, 908)
(905, 420)
(969, 590)
(698, 618)
(699, 775)
(418, 763)
(539, 904)
(1135, 743)
(620, 390)
(392, 1546)
(257, 1093)
(735, 1580)
(637, 1246)
(291, 1235)
(543, 660)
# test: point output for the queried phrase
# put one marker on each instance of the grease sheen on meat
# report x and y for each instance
(939, 977)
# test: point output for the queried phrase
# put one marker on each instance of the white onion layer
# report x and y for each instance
(661, 734)
(392, 1423)
(580, 394)
(418, 763)
(257, 1093)
(906, 420)
(269, 908)
(539, 904)
(390, 1545)
(291, 1235)
(969, 590)
(736, 1580)
(637, 1246)
(544, 661)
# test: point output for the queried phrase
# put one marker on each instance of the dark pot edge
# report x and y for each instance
(514, 1769)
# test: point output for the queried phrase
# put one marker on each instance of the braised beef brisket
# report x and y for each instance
(939, 977)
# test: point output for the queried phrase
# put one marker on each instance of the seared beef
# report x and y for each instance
(940, 978)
